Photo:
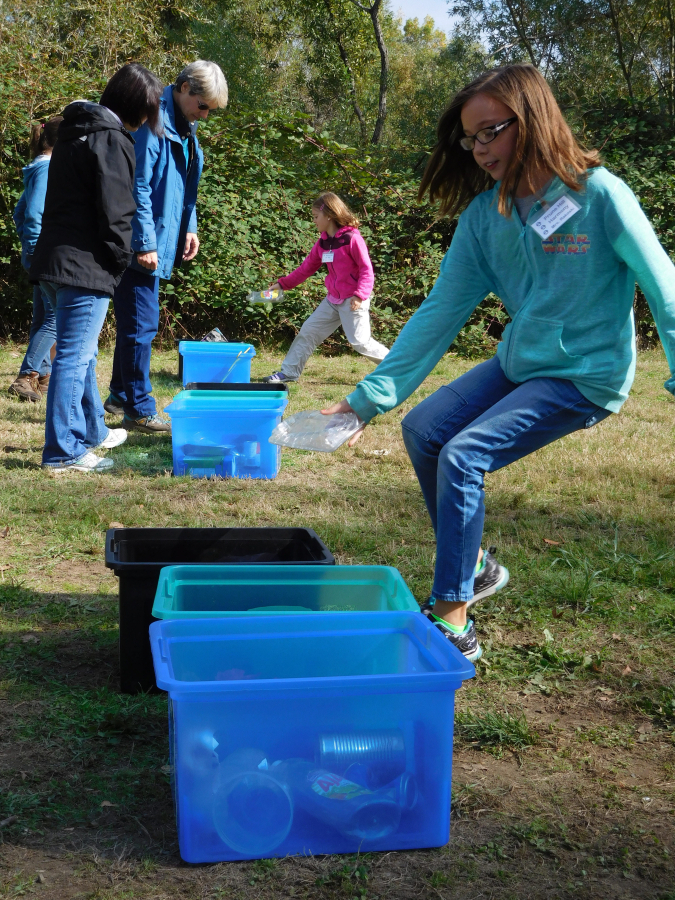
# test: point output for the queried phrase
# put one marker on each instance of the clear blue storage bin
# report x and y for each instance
(190, 592)
(225, 433)
(223, 362)
(299, 735)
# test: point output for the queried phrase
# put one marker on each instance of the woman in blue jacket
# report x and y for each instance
(168, 169)
(562, 242)
(33, 378)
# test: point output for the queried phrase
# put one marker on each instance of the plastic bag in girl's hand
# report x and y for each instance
(314, 431)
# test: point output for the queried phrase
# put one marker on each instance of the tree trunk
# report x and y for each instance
(374, 13)
(625, 68)
(519, 25)
(384, 72)
(352, 81)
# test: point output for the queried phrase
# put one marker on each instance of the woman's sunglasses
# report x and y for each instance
(201, 106)
(485, 135)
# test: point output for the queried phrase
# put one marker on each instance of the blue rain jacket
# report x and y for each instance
(164, 191)
(570, 297)
(27, 214)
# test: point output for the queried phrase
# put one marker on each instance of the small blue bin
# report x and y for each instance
(222, 362)
(306, 735)
(225, 433)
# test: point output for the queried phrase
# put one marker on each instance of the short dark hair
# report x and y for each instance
(133, 94)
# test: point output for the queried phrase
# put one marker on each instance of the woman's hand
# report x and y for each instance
(148, 260)
(344, 407)
(191, 247)
(355, 303)
(275, 286)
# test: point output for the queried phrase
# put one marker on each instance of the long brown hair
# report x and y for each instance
(330, 205)
(43, 137)
(544, 142)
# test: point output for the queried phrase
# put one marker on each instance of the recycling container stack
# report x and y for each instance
(138, 555)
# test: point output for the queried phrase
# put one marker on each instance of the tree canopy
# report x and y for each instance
(341, 95)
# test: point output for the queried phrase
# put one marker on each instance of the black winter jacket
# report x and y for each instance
(86, 226)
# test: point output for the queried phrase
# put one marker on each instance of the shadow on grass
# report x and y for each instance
(70, 739)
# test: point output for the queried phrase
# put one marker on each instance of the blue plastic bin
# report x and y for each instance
(206, 361)
(225, 433)
(308, 734)
(190, 592)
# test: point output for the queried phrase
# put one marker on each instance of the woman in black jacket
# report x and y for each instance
(82, 251)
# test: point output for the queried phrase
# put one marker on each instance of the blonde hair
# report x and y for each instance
(544, 142)
(330, 205)
(206, 79)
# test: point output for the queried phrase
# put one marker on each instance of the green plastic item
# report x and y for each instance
(193, 592)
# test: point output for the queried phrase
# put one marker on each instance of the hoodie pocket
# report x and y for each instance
(537, 350)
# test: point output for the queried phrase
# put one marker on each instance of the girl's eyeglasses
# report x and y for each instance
(485, 135)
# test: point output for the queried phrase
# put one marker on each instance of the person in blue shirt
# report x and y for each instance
(32, 381)
(168, 168)
(562, 242)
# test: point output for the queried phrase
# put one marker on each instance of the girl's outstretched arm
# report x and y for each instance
(308, 267)
(464, 281)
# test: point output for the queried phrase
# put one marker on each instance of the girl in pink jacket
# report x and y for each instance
(349, 284)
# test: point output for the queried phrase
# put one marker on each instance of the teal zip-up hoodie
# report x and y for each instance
(570, 297)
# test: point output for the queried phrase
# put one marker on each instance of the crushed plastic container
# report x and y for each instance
(225, 433)
(138, 555)
(206, 361)
(312, 430)
(188, 592)
(252, 698)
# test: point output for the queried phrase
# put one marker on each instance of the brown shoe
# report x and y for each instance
(26, 387)
(43, 384)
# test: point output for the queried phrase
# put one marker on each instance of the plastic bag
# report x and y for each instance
(312, 430)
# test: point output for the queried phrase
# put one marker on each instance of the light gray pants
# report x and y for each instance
(326, 319)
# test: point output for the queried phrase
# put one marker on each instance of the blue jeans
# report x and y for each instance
(75, 417)
(42, 332)
(480, 423)
(136, 303)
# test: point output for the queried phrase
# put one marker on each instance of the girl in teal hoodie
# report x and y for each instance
(562, 242)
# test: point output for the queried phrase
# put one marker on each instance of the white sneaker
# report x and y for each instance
(114, 438)
(90, 462)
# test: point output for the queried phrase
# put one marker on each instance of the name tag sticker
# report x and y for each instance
(327, 256)
(555, 216)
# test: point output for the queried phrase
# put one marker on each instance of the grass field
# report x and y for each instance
(564, 770)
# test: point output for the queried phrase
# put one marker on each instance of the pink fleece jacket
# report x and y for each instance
(350, 274)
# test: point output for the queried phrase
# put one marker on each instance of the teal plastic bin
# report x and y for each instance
(226, 433)
(191, 592)
(224, 362)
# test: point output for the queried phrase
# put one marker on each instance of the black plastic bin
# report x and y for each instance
(136, 556)
(235, 386)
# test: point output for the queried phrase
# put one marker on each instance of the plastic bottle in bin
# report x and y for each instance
(252, 806)
(350, 808)
(268, 296)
